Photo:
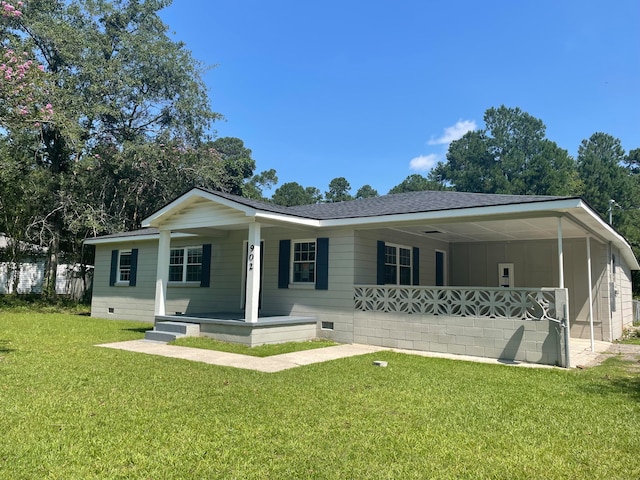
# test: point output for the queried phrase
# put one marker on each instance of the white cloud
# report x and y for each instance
(455, 132)
(424, 163)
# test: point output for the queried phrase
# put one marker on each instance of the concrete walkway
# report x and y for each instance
(581, 355)
(274, 363)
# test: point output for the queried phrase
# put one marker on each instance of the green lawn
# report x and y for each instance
(70, 410)
(259, 351)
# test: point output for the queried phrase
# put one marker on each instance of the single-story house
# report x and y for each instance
(501, 276)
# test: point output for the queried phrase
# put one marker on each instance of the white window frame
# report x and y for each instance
(293, 261)
(121, 269)
(397, 263)
(185, 264)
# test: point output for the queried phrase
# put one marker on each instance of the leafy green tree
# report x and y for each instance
(236, 161)
(292, 193)
(255, 186)
(366, 191)
(119, 87)
(511, 155)
(417, 183)
(338, 191)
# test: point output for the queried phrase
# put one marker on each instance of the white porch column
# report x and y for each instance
(593, 348)
(162, 274)
(560, 256)
(252, 293)
(565, 314)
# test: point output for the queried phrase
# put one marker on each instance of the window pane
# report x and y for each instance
(176, 257)
(390, 274)
(175, 273)
(125, 266)
(194, 256)
(405, 257)
(390, 255)
(194, 273)
(405, 276)
(304, 272)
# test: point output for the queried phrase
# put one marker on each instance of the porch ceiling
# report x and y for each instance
(495, 230)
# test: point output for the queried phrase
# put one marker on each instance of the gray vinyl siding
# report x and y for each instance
(334, 304)
(128, 303)
(622, 317)
(137, 303)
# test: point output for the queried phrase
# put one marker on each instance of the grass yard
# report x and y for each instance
(70, 410)
(259, 351)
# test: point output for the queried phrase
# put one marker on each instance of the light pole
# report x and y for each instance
(612, 202)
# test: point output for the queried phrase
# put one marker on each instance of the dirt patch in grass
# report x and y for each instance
(628, 353)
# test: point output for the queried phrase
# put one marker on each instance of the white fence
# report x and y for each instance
(68, 279)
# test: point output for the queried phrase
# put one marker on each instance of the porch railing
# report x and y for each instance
(491, 302)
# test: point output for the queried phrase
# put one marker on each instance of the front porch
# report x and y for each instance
(232, 327)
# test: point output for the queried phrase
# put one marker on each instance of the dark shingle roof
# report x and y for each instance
(394, 204)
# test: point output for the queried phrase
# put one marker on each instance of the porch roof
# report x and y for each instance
(444, 215)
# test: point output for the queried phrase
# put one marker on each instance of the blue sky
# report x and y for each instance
(373, 91)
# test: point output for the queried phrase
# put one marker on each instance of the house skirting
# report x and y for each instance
(267, 330)
(537, 341)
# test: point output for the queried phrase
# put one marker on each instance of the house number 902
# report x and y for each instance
(251, 249)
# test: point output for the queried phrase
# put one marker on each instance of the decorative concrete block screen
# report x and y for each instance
(519, 324)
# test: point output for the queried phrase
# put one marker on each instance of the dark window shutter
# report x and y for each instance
(113, 275)
(439, 269)
(380, 263)
(322, 264)
(205, 275)
(416, 266)
(134, 267)
(283, 263)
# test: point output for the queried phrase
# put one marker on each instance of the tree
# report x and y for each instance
(511, 155)
(292, 193)
(237, 163)
(366, 191)
(338, 191)
(600, 165)
(417, 183)
(122, 89)
(258, 183)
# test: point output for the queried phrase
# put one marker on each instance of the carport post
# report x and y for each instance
(560, 256)
(593, 348)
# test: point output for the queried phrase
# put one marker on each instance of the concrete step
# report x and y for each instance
(188, 329)
(158, 336)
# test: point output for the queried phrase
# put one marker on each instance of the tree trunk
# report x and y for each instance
(49, 287)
